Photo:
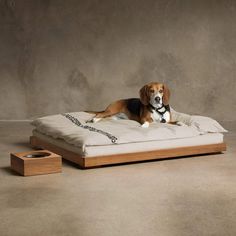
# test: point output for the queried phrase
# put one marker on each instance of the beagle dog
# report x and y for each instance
(152, 106)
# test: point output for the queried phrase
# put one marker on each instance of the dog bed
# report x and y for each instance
(112, 141)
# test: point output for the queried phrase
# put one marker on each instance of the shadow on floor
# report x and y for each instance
(70, 163)
(8, 170)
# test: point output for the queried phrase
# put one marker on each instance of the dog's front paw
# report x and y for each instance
(145, 124)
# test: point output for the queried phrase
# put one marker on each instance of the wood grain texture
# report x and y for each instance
(66, 154)
(35, 166)
(127, 157)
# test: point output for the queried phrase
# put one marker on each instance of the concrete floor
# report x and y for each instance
(188, 196)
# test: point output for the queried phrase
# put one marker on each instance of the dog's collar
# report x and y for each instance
(166, 108)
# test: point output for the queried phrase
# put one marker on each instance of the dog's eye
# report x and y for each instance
(161, 91)
(152, 91)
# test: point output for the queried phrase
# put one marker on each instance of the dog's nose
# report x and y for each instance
(157, 99)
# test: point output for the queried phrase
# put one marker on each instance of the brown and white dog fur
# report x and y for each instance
(152, 106)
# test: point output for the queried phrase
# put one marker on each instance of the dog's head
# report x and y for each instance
(155, 94)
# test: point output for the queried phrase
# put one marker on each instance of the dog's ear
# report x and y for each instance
(166, 95)
(144, 95)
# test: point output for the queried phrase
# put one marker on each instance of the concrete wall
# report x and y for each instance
(70, 55)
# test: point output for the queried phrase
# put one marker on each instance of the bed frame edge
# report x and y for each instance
(127, 157)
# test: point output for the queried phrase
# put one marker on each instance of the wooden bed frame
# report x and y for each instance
(127, 157)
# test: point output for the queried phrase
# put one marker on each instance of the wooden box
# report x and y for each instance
(36, 162)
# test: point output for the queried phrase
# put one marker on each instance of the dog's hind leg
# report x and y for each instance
(111, 110)
(100, 115)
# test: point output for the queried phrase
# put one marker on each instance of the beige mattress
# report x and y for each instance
(114, 149)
